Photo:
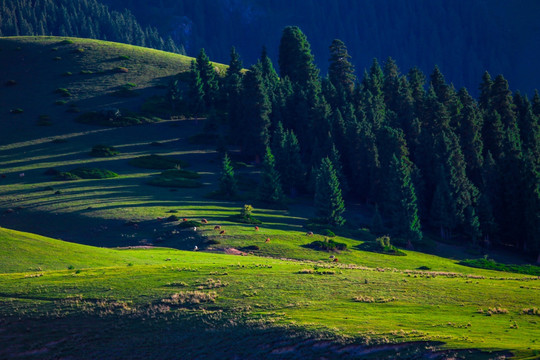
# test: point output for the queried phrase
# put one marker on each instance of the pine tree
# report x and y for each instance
(196, 92)
(295, 58)
(227, 181)
(270, 189)
(471, 136)
(536, 103)
(405, 222)
(256, 107)
(209, 79)
(235, 63)
(340, 70)
(329, 205)
(289, 163)
(484, 100)
(335, 158)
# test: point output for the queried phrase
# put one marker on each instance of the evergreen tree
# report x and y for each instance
(340, 70)
(295, 58)
(196, 92)
(256, 107)
(335, 158)
(405, 222)
(268, 71)
(484, 100)
(329, 205)
(493, 134)
(227, 181)
(536, 104)
(209, 79)
(235, 63)
(471, 135)
(289, 164)
(270, 189)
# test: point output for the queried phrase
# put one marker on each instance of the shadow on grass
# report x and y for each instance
(208, 336)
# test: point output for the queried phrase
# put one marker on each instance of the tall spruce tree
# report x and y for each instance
(256, 107)
(329, 205)
(270, 189)
(209, 79)
(340, 70)
(227, 182)
(196, 92)
(404, 219)
(295, 58)
(471, 136)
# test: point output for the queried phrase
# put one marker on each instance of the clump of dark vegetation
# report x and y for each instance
(62, 91)
(382, 245)
(11, 83)
(250, 248)
(189, 224)
(57, 58)
(115, 118)
(86, 72)
(67, 73)
(16, 111)
(66, 42)
(86, 173)
(327, 245)
(157, 162)
(423, 267)
(60, 102)
(123, 57)
(104, 151)
(245, 216)
(212, 242)
(493, 265)
(176, 178)
(172, 218)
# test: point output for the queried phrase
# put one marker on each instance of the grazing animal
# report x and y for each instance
(195, 248)
(217, 227)
(184, 219)
(222, 232)
(267, 240)
(310, 233)
(204, 221)
(21, 175)
(332, 257)
(335, 260)
(256, 228)
(194, 228)
(136, 226)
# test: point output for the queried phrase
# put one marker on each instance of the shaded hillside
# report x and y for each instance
(63, 77)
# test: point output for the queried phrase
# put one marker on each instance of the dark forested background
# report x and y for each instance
(463, 37)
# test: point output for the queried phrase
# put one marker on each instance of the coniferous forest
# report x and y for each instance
(429, 156)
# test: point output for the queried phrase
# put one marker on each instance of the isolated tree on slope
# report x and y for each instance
(227, 182)
(270, 189)
(329, 203)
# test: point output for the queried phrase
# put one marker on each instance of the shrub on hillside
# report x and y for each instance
(104, 151)
(189, 224)
(63, 91)
(87, 173)
(157, 162)
(245, 216)
(327, 245)
(382, 245)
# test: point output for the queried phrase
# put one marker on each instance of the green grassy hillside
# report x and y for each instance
(163, 291)
(344, 303)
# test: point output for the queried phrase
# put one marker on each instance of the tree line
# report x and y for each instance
(430, 157)
(81, 18)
